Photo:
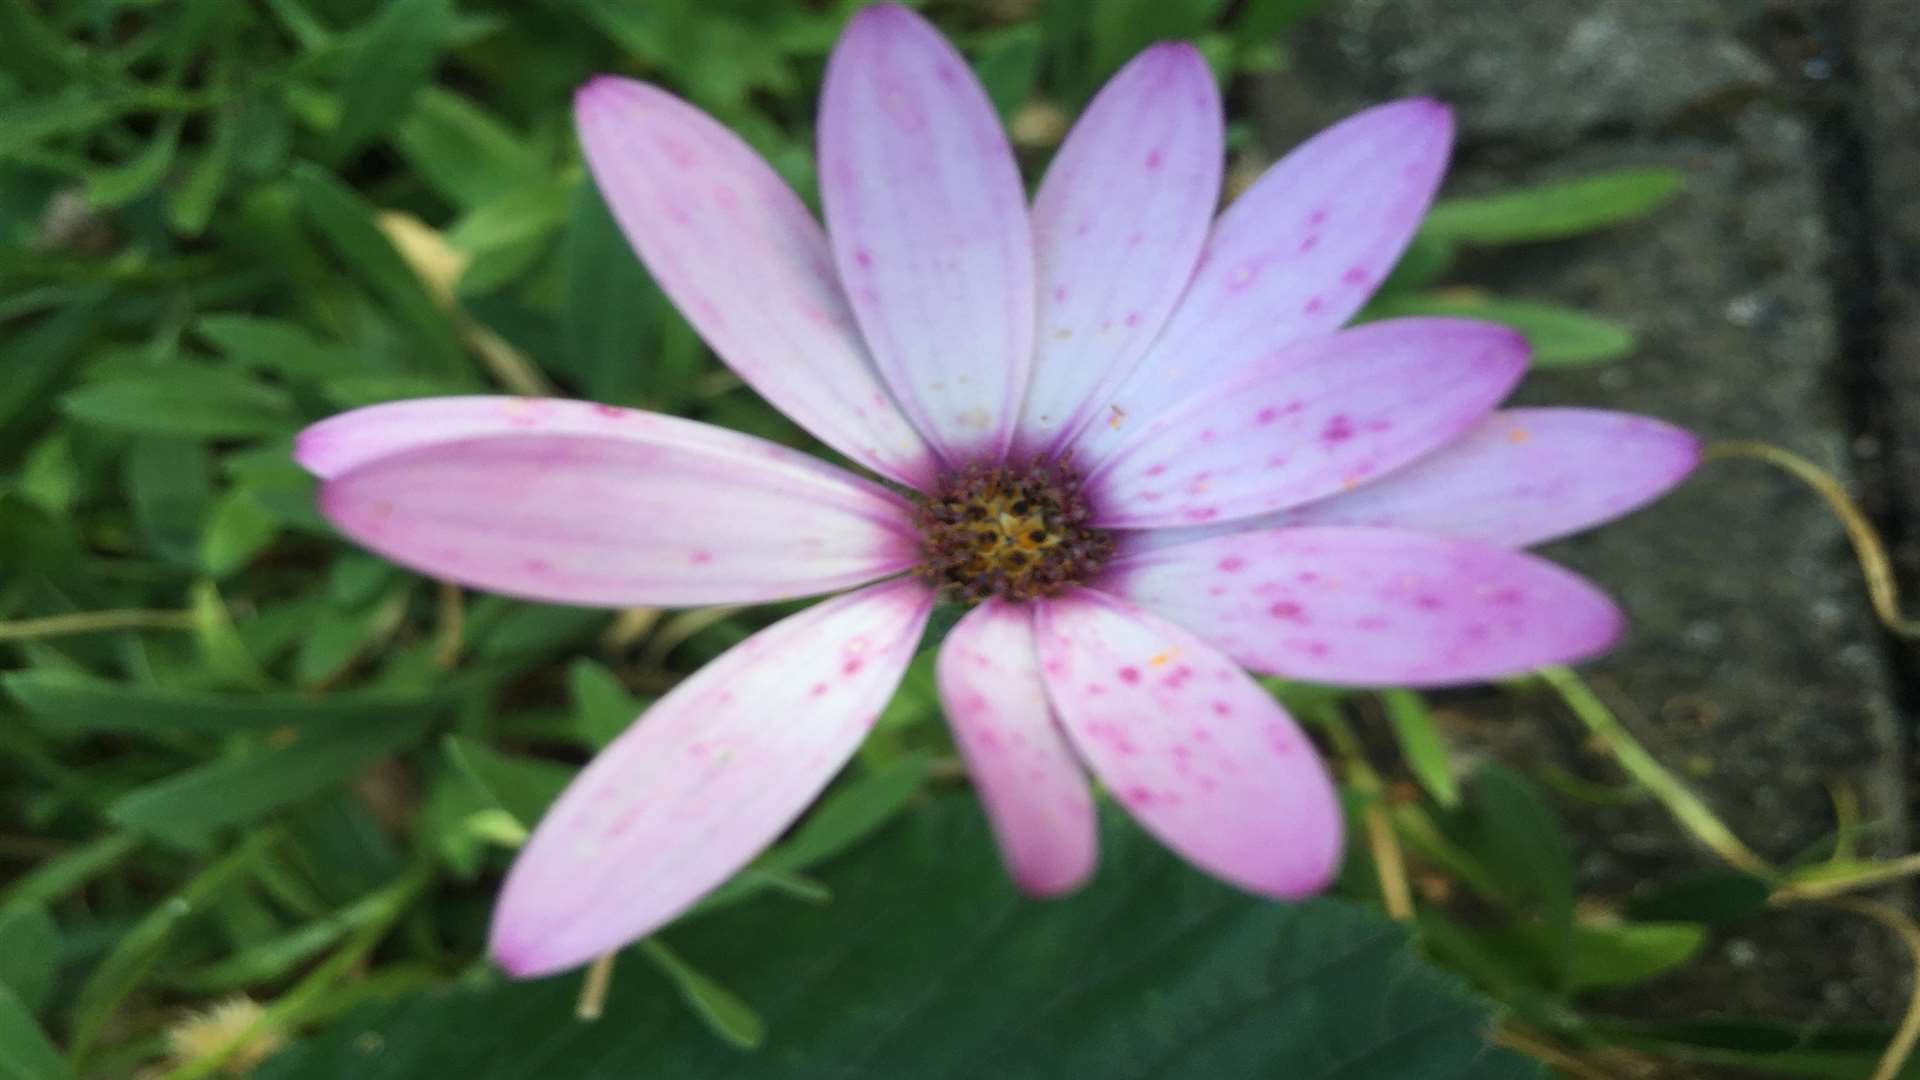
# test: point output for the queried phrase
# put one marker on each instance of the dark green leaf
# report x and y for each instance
(72, 703)
(188, 809)
(1507, 823)
(1714, 897)
(192, 402)
(25, 1051)
(389, 61)
(613, 311)
(29, 954)
(929, 964)
(1631, 952)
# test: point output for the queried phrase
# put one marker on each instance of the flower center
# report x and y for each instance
(1009, 532)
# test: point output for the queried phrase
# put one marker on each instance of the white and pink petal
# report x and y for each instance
(1296, 255)
(1372, 607)
(1118, 223)
(928, 224)
(704, 780)
(1315, 418)
(1190, 745)
(598, 506)
(1521, 477)
(745, 262)
(1029, 781)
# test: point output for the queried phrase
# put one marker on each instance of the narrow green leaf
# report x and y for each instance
(192, 402)
(29, 954)
(463, 151)
(25, 1051)
(190, 203)
(221, 648)
(121, 184)
(1631, 953)
(526, 213)
(53, 879)
(1714, 897)
(239, 528)
(347, 223)
(389, 61)
(1554, 210)
(602, 707)
(190, 808)
(68, 703)
(1560, 336)
(523, 787)
(1421, 742)
(613, 312)
(276, 346)
(168, 485)
(721, 1009)
(1009, 65)
(1509, 825)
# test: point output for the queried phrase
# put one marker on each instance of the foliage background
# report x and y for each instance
(241, 761)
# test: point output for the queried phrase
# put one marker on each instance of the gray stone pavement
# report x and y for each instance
(1777, 299)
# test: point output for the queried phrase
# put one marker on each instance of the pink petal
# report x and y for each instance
(1195, 750)
(929, 228)
(1035, 795)
(1522, 477)
(748, 266)
(1118, 225)
(704, 780)
(1372, 607)
(1299, 253)
(1322, 416)
(612, 507)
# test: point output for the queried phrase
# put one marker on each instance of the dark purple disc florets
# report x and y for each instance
(1008, 531)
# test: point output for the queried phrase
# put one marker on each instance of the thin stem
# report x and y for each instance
(1641, 765)
(94, 622)
(1882, 590)
(593, 992)
(1894, 1061)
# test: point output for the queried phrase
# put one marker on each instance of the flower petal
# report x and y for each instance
(610, 507)
(1194, 749)
(704, 780)
(746, 263)
(1522, 477)
(928, 223)
(1319, 417)
(1372, 607)
(1299, 253)
(1035, 794)
(1118, 225)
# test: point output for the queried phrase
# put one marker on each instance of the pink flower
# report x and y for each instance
(1138, 439)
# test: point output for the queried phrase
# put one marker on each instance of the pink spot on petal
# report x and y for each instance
(1130, 676)
(701, 557)
(1233, 564)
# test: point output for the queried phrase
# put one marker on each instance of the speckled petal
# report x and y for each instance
(1298, 254)
(748, 266)
(929, 228)
(1522, 477)
(1118, 224)
(1191, 746)
(601, 506)
(1372, 607)
(1322, 416)
(1028, 779)
(704, 780)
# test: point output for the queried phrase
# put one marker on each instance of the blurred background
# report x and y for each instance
(257, 787)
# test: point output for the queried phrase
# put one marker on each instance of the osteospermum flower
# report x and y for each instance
(1136, 440)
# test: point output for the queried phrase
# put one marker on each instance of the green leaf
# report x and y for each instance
(29, 954)
(526, 213)
(190, 808)
(1560, 336)
(190, 203)
(347, 223)
(221, 649)
(239, 528)
(722, 1011)
(191, 402)
(523, 787)
(1009, 64)
(389, 60)
(1714, 897)
(930, 964)
(1555, 210)
(276, 346)
(601, 705)
(1509, 825)
(470, 157)
(613, 312)
(117, 186)
(25, 1051)
(1630, 953)
(68, 703)
(1421, 743)
(170, 492)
